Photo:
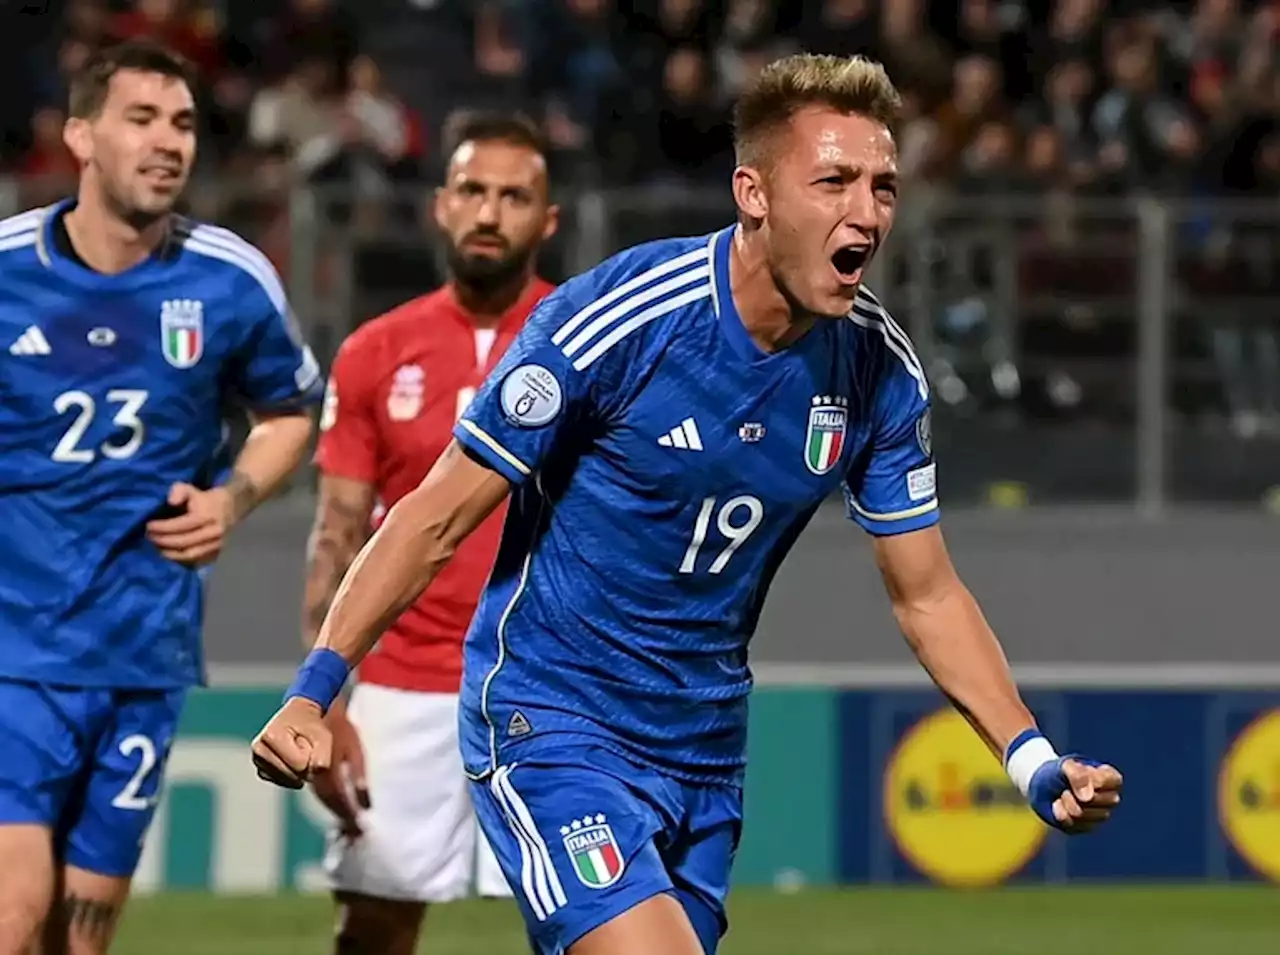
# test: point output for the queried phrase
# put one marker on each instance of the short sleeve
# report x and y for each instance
(542, 392)
(892, 488)
(275, 368)
(348, 443)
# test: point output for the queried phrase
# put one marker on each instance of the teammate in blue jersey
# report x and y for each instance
(667, 423)
(128, 330)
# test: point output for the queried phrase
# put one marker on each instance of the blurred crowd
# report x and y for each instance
(1056, 98)
(1001, 94)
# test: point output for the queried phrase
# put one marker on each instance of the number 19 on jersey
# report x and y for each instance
(735, 520)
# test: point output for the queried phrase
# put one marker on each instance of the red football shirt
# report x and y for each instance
(398, 385)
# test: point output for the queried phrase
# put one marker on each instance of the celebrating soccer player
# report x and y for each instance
(128, 329)
(669, 422)
(405, 833)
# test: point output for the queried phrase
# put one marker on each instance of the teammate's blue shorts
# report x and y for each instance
(87, 763)
(584, 834)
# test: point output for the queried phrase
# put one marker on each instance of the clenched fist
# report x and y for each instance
(1092, 792)
(294, 745)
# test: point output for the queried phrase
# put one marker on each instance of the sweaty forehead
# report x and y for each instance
(498, 164)
(827, 137)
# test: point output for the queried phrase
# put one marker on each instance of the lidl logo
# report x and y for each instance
(1249, 794)
(952, 811)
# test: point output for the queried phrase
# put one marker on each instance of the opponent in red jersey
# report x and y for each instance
(404, 833)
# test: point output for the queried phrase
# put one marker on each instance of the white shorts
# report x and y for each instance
(420, 840)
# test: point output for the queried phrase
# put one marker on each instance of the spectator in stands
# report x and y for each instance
(1146, 139)
(695, 142)
(48, 171)
(976, 100)
(302, 114)
(307, 31)
(190, 32)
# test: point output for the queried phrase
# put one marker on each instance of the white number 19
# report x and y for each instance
(735, 533)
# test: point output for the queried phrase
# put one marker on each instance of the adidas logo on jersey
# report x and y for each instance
(683, 436)
(32, 342)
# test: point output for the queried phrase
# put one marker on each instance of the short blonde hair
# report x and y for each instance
(854, 85)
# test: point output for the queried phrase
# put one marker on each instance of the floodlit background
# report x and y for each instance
(1087, 260)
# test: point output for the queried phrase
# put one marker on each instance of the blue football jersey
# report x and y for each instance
(113, 388)
(663, 467)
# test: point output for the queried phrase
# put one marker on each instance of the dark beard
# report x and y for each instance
(483, 274)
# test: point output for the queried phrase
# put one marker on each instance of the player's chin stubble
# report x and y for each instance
(484, 274)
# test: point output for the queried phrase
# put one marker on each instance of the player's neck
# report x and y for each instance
(770, 318)
(486, 307)
(108, 244)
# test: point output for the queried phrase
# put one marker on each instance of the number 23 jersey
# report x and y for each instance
(663, 467)
(112, 388)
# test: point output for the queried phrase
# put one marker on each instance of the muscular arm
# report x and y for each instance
(414, 543)
(949, 635)
(341, 527)
(276, 445)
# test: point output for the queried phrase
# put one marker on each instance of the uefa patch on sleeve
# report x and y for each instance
(922, 483)
(531, 396)
(924, 432)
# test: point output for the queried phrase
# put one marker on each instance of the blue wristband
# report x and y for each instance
(1036, 770)
(320, 678)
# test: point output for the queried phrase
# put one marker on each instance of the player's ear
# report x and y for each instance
(75, 133)
(749, 192)
(552, 223)
(437, 207)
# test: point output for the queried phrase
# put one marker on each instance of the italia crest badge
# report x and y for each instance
(828, 421)
(594, 851)
(182, 331)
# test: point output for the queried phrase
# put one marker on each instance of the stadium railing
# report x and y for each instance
(1097, 350)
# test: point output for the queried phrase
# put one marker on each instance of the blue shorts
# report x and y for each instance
(86, 763)
(584, 834)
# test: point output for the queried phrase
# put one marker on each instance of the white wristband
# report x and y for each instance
(1026, 759)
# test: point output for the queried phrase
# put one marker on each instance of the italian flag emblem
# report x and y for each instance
(594, 851)
(182, 331)
(824, 441)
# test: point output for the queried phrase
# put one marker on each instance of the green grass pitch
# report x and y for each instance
(893, 921)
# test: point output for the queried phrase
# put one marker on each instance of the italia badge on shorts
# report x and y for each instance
(182, 331)
(593, 850)
(828, 419)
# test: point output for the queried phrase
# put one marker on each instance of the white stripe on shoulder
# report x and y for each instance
(701, 275)
(223, 244)
(868, 300)
(711, 257)
(895, 339)
(20, 240)
(696, 257)
(620, 331)
(23, 222)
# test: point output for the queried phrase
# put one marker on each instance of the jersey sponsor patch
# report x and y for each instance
(404, 401)
(924, 432)
(531, 396)
(597, 860)
(922, 483)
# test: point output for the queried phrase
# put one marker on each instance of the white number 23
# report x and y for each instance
(129, 402)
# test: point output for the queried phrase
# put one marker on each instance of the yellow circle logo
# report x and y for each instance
(951, 809)
(1249, 794)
